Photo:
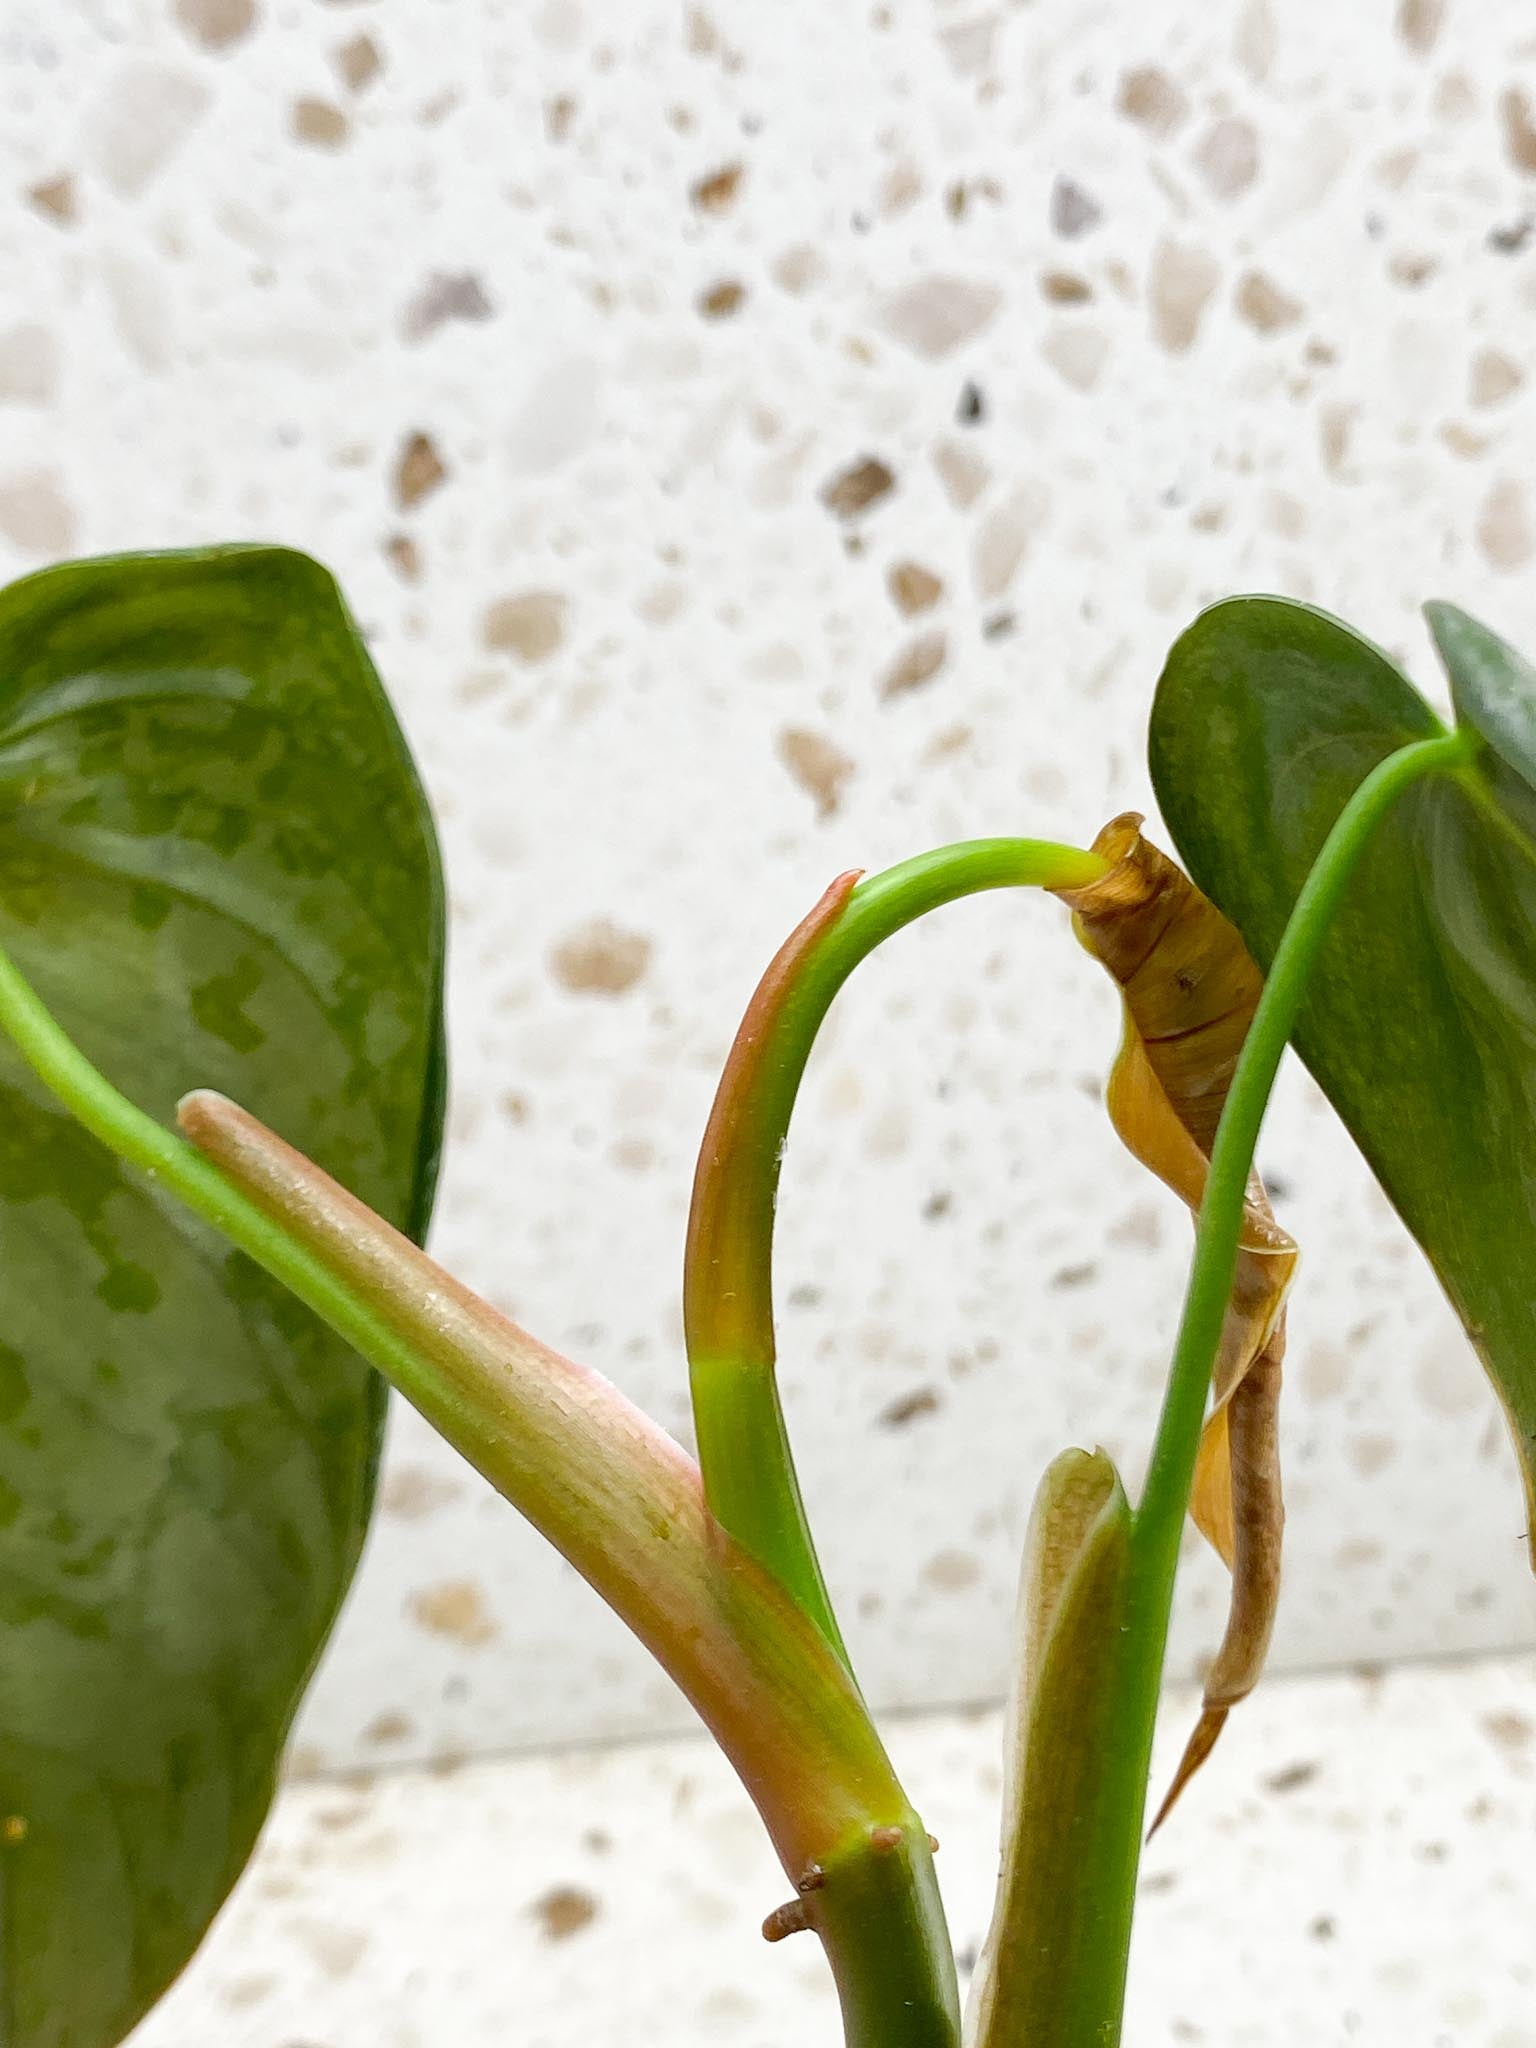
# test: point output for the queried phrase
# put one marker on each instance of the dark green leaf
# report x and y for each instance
(1421, 1023)
(217, 868)
(1492, 687)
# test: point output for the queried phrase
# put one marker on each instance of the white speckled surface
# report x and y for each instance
(573, 333)
(1355, 1866)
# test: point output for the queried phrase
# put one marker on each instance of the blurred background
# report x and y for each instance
(758, 441)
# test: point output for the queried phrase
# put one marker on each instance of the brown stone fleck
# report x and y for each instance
(1519, 128)
(242, 1992)
(216, 24)
(1077, 352)
(446, 295)
(338, 1950)
(900, 188)
(1371, 1453)
(1140, 1226)
(1461, 440)
(954, 739)
(57, 197)
(319, 124)
(1495, 377)
(1504, 526)
(935, 315)
(418, 471)
(404, 557)
(1419, 23)
(36, 515)
(530, 625)
(1406, 267)
(797, 269)
(1336, 424)
(918, 663)
(413, 1493)
(358, 61)
(1292, 1777)
(962, 472)
(337, 1820)
(1227, 157)
(820, 768)
(913, 588)
(559, 116)
(721, 301)
(924, 1401)
(703, 36)
(1153, 100)
(1181, 284)
(389, 1727)
(951, 1571)
(29, 365)
(854, 489)
(456, 1608)
(1003, 538)
(141, 120)
(1510, 1730)
(1267, 309)
(599, 959)
(718, 190)
(1065, 288)
(563, 1911)
(1254, 40)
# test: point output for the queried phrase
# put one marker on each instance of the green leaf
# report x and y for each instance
(1420, 1022)
(1492, 687)
(1046, 1961)
(218, 868)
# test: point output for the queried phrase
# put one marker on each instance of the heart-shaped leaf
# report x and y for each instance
(217, 867)
(1420, 1023)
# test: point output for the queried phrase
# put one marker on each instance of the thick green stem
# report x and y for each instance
(1158, 1522)
(744, 1452)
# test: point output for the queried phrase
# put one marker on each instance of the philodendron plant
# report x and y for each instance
(218, 874)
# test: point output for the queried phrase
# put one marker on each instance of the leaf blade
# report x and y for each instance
(1420, 1022)
(215, 858)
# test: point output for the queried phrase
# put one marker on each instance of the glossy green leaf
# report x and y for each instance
(1492, 687)
(217, 867)
(1420, 1021)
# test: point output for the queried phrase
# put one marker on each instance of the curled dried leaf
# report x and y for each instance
(1190, 989)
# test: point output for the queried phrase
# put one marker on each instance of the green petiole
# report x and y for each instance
(744, 1451)
(1158, 1520)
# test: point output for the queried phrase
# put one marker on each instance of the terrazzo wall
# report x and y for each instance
(759, 441)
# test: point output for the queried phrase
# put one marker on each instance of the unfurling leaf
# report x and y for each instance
(1038, 1949)
(1190, 990)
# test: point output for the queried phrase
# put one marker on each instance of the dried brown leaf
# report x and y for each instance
(1190, 990)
